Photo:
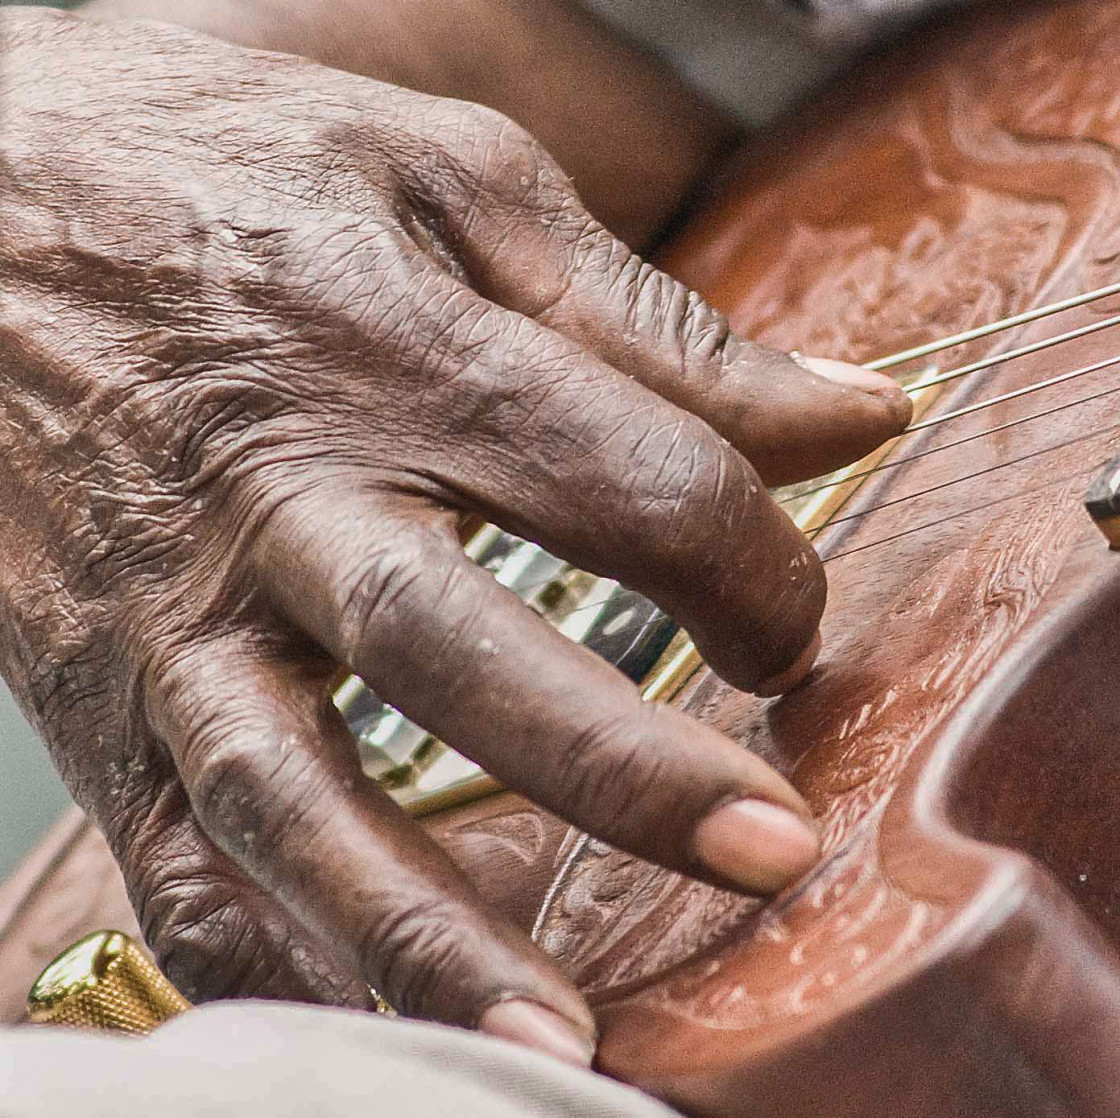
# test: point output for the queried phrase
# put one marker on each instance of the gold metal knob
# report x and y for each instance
(104, 982)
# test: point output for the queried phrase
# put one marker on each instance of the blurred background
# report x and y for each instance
(31, 795)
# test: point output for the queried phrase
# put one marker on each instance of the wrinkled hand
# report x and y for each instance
(616, 120)
(267, 332)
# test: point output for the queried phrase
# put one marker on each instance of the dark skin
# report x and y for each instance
(268, 334)
(631, 137)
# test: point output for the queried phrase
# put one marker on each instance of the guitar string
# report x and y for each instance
(1096, 367)
(946, 343)
(971, 477)
(894, 463)
(1011, 354)
(992, 361)
(990, 328)
(1080, 475)
(970, 409)
(1061, 378)
(956, 513)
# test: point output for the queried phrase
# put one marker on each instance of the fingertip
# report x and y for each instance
(795, 674)
(757, 845)
(533, 1025)
(844, 372)
(876, 384)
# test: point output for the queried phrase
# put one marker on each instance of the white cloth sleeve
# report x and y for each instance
(268, 1060)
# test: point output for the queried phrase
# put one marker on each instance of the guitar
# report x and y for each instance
(955, 953)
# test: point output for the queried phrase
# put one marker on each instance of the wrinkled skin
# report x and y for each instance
(629, 134)
(268, 332)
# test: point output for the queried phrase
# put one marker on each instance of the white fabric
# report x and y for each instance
(266, 1060)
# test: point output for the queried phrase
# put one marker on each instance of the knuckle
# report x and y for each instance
(416, 952)
(697, 481)
(610, 778)
(379, 592)
(656, 308)
(697, 327)
(189, 915)
(226, 785)
(511, 160)
(243, 796)
(204, 941)
(336, 276)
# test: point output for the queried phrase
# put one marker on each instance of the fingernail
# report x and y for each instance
(843, 373)
(757, 845)
(793, 675)
(525, 1022)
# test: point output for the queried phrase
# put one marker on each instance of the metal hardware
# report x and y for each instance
(990, 328)
(630, 632)
(104, 981)
(1102, 502)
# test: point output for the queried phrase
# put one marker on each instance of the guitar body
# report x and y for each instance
(956, 952)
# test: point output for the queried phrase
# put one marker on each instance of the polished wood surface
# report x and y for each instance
(956, 951)
(922, 970)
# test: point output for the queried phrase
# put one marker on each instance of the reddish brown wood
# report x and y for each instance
(965, 694)
(956, 951)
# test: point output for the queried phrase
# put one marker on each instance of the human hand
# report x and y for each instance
(615, 117)
(268, 332)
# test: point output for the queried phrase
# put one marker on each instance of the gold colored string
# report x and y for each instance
(970, 409)
(944, 417)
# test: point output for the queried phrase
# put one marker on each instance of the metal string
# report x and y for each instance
(946, 416)
(976, 366)
(1080, 475)
(1012, 354)
(970, 409)
(894, 463)
(949, 342)
(1061, 378)
(956, 515)
(978, 473)
(991, 328)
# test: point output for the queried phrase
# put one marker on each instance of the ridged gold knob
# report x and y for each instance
(104, 982)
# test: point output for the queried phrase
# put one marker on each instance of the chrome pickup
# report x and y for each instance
(627, 630)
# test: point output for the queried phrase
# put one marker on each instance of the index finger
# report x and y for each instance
(570, 453)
